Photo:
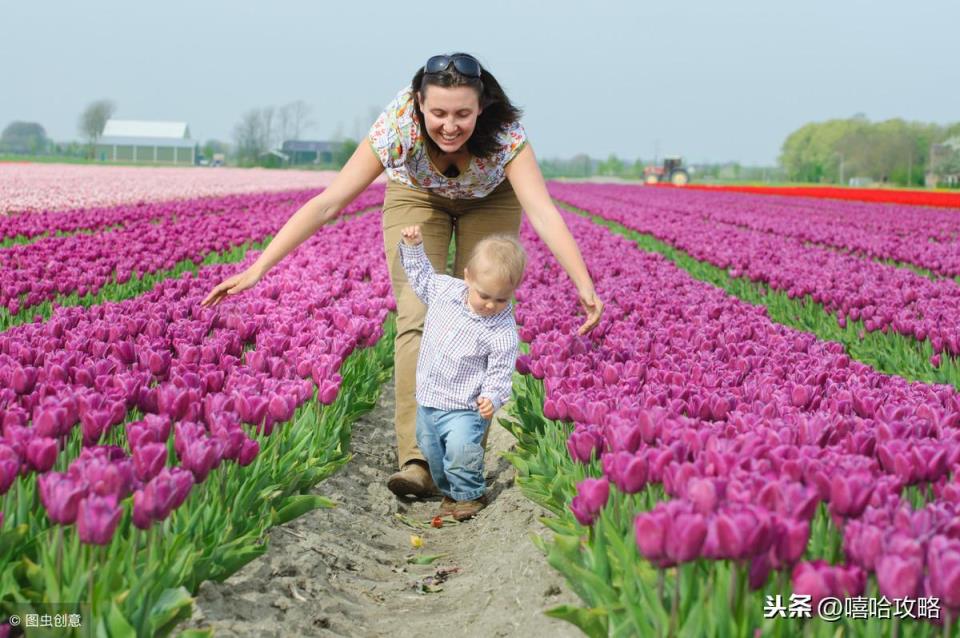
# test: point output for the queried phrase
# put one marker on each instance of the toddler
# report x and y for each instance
(467, 356)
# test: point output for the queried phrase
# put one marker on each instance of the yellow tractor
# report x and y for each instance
(671, 171)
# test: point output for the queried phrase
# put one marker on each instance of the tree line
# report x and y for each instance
(892, 151)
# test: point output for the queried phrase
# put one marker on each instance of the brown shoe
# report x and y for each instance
(447, 506)
(413, 479)
(464, 510)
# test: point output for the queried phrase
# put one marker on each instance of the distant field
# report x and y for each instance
(39, 187)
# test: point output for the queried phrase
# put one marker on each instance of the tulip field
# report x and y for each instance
(766, 419)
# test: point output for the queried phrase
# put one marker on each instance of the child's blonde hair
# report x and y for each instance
(503, 255)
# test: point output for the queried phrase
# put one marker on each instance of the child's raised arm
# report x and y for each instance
(419, 270)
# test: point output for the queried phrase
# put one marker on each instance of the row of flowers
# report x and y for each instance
(252, 361)
(923, 237)
(873, 195)
(38, 224)
(885, 298)
(41, 187)
(114, 416)
(83, 264)
(776, 450)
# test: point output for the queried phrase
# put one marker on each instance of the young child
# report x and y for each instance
(467, 356)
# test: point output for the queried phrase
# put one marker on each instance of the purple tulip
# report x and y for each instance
(584, 443)
(148, 460)
(625, 470)
(820, 580)
(60, 495)
(251, 408)
(592, 495)
(42, 453)
(167, 491)
(201, 455)
(687, 535)
(943, 579)
(9, 467)
(850, 495)
(50, 421)
(97, 519)
(142, 509)
(328, 392)
(248, 452)
(703, 494)
(899, 577)
(790, 541)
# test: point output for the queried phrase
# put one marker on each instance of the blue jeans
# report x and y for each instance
(451, 442)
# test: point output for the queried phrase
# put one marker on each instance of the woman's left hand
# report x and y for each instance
(593, 307)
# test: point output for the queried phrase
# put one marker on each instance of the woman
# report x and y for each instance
(458, 165)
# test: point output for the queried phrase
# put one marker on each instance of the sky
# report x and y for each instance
(711, 81)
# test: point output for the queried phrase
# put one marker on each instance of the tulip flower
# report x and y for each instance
(149, 459)
(60, 496)
(625, 470)
(899, 577)
(820, 580)
(9, 467)
(849, 495)
(41, 453)
(97, 519)
(592, 495)
(584, 444)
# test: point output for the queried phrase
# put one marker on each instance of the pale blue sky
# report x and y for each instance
(712, 81)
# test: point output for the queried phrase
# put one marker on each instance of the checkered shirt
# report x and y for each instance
(463, 355)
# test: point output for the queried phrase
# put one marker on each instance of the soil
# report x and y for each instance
(345, 571)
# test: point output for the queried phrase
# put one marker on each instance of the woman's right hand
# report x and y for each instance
(238, 283)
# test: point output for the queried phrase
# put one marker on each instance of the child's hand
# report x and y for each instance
(485, 406)
(411, 235)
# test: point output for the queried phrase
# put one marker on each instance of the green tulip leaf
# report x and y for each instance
(593, 622)
(298, 505)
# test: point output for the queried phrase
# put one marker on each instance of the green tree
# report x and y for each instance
(24, 137)
(344, 152)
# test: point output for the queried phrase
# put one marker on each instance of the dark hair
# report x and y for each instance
(497, 110)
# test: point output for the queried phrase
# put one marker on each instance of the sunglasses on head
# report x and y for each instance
(465, 64)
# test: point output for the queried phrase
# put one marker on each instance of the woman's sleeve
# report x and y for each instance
(512, 140)
(389, 135)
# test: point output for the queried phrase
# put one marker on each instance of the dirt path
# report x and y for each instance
(343, 572)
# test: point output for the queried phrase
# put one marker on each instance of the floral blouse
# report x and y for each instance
(398, 142)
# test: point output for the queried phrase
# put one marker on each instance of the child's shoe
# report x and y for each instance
(464, 510)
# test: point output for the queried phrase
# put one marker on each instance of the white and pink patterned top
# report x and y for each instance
(398, 142)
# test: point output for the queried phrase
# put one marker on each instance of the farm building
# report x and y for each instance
(146, 142)
(944, 164)
(306, 152)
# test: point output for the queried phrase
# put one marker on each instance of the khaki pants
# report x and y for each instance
(440, 218)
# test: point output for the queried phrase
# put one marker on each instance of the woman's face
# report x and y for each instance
(451, 115)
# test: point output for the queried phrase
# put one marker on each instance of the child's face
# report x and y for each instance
(488, 294)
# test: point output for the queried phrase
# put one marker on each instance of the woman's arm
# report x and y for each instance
(360, 170)
(531, 190)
